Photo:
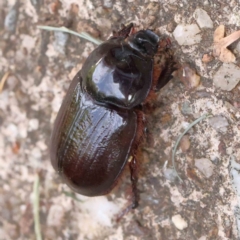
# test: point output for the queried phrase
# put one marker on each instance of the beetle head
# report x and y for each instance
(144, 41)
(119, 73)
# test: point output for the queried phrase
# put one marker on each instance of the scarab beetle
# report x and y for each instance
(99, 124)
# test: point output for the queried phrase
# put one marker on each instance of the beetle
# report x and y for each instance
(99, 125)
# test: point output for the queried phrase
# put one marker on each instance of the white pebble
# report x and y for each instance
(203, 238)
(187, 34)
(101, 209)
(234, 170)
(11, 132)
(55, 215)
(218, 122)
(202, 18)
(169, 173)
(227, 76)
(22, 130)
(56, 102)
(33, 124)
(28, 42)
(205, 166)
(179, 222)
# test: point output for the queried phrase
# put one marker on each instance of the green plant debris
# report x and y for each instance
(37, 226)
(180, 137)
(66, 30)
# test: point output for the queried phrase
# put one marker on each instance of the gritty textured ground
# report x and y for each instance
(38, 67)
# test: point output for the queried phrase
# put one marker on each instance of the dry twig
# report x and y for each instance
(3, 80)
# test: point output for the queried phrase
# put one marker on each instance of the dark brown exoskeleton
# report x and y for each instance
(99, 126)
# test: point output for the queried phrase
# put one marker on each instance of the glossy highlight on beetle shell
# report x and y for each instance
(97, 126)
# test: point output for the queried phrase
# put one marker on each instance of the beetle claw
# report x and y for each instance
(124, 32)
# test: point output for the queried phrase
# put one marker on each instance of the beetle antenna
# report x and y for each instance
(124, 32)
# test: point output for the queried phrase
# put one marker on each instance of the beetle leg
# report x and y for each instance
(133, 166)
(133, 163)
(135, 197)
(166, 74)
(163, 64)
(124, 32)
(134, 180)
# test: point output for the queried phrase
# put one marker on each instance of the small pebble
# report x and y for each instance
(33, 124)
(169, 173)
(203, 238)
(11, 19)
(187, 76)
(205, 166)
(11, 132)
(108, 3)
(215, 160)
(170, 27)
(186, 108)
(187, 34)
(153, 8)
(60, 42)
(28, 42)
(202, 18)
(36, 4)
(207, 58)
(12, 82)
(234, 171)
(179, 222)
(218, 122)
(227, 76)
(185, 143)
(55, 215)
(54, 7)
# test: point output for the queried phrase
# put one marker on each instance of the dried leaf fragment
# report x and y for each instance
(220, 44)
